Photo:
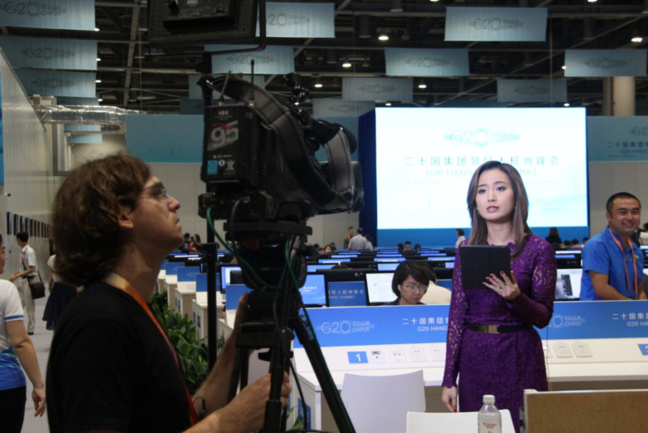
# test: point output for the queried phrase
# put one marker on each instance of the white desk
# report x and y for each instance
(614, 364)
(199, 312)
(160, 281)
(185, 292)
(170, 284)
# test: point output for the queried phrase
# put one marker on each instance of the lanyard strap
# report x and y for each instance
(120, 283)
(625, 264)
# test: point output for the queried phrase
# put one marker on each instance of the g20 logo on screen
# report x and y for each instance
(32, 9)
(342, 108)
(343, 327)
(639, 131)
(531, 90)
(496, 23)
(376, 88)
(246, 59)
(605, 63)
(53, 83)
(47, 53)
(287, 20)
(426, 62)
(479, 137)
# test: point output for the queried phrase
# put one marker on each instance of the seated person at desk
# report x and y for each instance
(410, 282)
(612, 263)
(436, 294)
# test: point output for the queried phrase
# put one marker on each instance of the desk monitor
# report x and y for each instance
(389, 259)
(442, 262)
(387, 266)
(346, 287)
(568, 284)
(313, 291)
(343, 255)
(379, 288)
(335, 261)
(226, 274)
(566, 261)
(181, 257)
(318, 267)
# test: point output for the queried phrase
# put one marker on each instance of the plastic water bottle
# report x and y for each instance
(489, 417)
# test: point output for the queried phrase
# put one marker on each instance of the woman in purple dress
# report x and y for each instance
(507, 358)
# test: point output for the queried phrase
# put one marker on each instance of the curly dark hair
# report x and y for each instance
(85, 226)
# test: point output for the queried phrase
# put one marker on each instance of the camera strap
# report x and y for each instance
(116, 281)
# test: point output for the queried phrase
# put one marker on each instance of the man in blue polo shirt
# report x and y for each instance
(612, 262)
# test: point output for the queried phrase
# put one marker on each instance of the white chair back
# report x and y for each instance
(380, 403)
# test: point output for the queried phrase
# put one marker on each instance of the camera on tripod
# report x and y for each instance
(259, 158)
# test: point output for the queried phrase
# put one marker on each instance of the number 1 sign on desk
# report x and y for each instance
(357, 357)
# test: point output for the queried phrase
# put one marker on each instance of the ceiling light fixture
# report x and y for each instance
(346, 64)
(636, 38)
(97, 81)
(422, 85)
(318, 84)
(384, 37)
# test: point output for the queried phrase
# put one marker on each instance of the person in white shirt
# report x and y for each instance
(436, 294)
(28, 271)
(460, 237)
(359, 242)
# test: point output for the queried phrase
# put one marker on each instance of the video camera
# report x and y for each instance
(259, 159)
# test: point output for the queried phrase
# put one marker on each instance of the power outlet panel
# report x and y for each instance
(562, 350)
(437, 352)
(417, 354)
(397, 356)
(581, 349)
(377, 357)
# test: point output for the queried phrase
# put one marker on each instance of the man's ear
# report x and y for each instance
(124, 217)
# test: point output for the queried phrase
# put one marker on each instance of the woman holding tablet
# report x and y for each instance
(492, 345)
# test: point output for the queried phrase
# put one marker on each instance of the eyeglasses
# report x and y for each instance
(159, 192)
(413, 287)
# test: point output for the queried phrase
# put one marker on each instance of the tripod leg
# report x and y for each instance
(240, 366)
(307, 339)
(275, 416)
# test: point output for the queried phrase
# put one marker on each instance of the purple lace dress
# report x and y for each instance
(508, 363)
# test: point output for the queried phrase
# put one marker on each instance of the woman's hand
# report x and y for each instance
(504, 286)
(449, 397)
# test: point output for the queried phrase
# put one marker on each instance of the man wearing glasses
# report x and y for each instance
(111, 366)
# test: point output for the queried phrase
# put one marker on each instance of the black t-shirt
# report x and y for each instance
(110, 368)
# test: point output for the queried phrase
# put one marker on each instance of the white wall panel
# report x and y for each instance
(28, 167)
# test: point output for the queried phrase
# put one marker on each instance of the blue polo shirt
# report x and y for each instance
(601, 254)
